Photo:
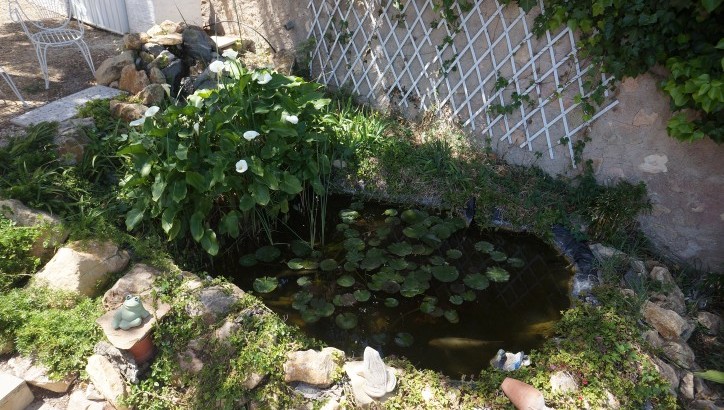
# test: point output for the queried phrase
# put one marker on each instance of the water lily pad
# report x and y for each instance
(452, 316)
(458, 222)
(354, 244)
(362, 295)
(390, 287)
(341, 227)
(497, 274)
(476, 281)
(413, 216)
(453, 254)
(392, 221)
(248, 260)
(380, 338)
(484, 246)
(350, 266)
(328, 265)
(469, 296)
(300, 299)
(390, 212)
(415, 231)
(437, 260)
(420, 249)
(443, 230)
(345, 299)
(322, 307)
(354, 256)
(428, 305)
(265, 284)
(404, 339)
(400, 248)
(374, 258)
(383, 231)
(391, 302)
(498, 256)
(300, 248)
(516, 262)
(374, 242)
(346, 281)
(346, 320)
(267, 253)
(304, 281)
(295, 264)
(310, 316)
(420, 275)
(351, 233)
(398, 264)
(348, 215)
(430, 239)
(445, 273)
(357, 205)
(456, 300)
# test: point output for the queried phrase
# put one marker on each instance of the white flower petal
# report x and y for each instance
(264, 78)
(137, 122)
(151, 111)
(196, 101)
(217, 66)
(229, 53)
(241, 166)
(250, 135)
(196, 128)
(293, 119)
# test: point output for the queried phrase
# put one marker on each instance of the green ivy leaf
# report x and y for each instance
(527, 5)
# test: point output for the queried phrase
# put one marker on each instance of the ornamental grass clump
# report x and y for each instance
(230, 158)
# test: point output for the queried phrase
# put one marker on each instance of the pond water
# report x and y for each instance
(385, 279)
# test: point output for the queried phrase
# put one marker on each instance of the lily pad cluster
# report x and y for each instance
(406, 255)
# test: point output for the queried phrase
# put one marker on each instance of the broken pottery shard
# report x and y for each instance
(380, 380)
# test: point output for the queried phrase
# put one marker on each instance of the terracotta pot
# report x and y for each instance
(143, 350)
(522, 395)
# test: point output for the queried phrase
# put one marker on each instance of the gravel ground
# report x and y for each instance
(67, 69)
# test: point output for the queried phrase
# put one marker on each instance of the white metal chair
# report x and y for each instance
(5, 76)
(48, 23)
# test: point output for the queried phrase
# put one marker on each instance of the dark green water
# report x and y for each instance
(514, 315)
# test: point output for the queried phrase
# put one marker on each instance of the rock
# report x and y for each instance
(71, 139)
(284, 61)
(110, 69)
(146, 58)
(107, 380)
(82, 267)
(138, 281)
(52, 234)
(197, 44)
(132, 80)
(121, 360)
(686, 386)
(174, 73)
(168, 40)
(113, 84)
(703, 405)
(522, 395)
(225, 331)
(370, 379)
(78, 401)
(710, 321)
(653, 338)
(6, 346)
(168, 26)
(508, 361)
(662, 275)
(37, 375)
(215, 302)
(135, 41)
(153, 94)
(679, 353)
(126, 339)
(667, 322)
(289, 25)
(667, 372)
(702, 390)
(155, 75)
(127, 111)
(252, 381)
(673, 300)
(14, 393)
(189, 361)
(153, 49)
(163, 60)
(91, 393)
(563, 382)
(602, 252)
(312, 367)
(612, 402)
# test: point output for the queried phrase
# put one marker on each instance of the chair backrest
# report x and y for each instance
(42, 14)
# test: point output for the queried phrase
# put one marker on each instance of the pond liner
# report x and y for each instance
(585, 274)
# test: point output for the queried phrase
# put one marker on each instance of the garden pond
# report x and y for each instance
(407, 282)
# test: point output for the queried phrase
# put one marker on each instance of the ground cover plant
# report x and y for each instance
(16, 259)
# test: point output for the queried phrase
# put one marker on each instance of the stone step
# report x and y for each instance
(66, 107)
(14, 393)
(224, 41)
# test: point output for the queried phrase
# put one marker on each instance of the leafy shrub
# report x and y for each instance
(229, 155)
(15, 257)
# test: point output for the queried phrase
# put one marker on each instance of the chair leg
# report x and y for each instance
(43, 60)
(10, 82)
(86, 54)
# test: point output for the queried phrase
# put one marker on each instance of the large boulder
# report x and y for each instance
(110, 70)
(710, 321)
(313, 367)
(127, 111)
(668, 323)
(135, 41)
(71, 140)
(153, 94)
(215, 302)
(197, 44)
(107, 380)
(132, 80)
(82, 267)
(679, 353)
(174, 73)
(155, 75)
(168, 40)
(138, 281)
(52, 233)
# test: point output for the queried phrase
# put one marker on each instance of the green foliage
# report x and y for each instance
(57, 328)
(205, 169)
(627, 38)
(16, 259)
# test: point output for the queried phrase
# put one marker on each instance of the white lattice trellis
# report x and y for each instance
(492, 73)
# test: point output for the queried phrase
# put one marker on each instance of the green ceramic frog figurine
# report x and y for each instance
(130, 314)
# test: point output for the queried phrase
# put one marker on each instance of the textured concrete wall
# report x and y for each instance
(685, 180)
(268, 17)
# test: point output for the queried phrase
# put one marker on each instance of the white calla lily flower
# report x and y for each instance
(195, 100)
(229, 53)
(263, 78)
(241, 166)
(217, 66)
(151, 111)
(250, 135)
(293, 119)
(196, 128)
(136, 123)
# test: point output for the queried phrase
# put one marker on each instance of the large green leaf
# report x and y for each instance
(290, 184)
(133, 217)
(497, 274)
(196, 226)
(209, 242)
(178, 190)
(260, 193)
(445, 273)
(476, 281)
(230, 224)
(711, 375)
(196, 180)
(267, 253)
(265, 284)
(346, 320)
(246, 203)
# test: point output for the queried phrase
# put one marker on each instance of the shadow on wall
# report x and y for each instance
(284, 23)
